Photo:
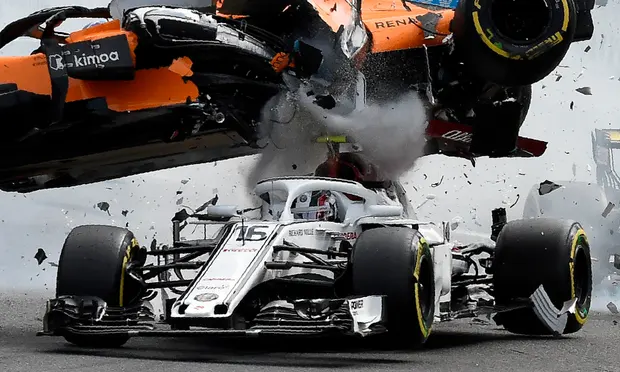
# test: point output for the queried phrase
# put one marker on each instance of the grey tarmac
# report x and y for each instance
(463, 345)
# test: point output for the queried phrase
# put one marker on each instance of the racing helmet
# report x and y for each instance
(315, 205)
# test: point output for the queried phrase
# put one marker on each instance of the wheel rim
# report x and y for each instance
(582, 279)
(425, 294)
(520, 21)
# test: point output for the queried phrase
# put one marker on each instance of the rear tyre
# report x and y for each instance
(551, 252)
(583, 202)
(397, 262)
(92, 263)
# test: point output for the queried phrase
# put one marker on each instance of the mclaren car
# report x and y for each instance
(160, 84)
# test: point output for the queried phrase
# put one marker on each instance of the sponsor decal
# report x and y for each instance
(357, 304)
(219, 279)
(212, 287)
(206, 297)
(349, 235)
(55, 62)
(241, 250)
(457, 135)
(94, 59)
(300, 232)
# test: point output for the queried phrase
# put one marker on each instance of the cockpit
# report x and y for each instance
(315, 198)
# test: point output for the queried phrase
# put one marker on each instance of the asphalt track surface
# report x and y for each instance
(457, 346)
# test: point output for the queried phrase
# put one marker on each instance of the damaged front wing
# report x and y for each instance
(87, 315)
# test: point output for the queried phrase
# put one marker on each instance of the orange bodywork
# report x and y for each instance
(392, 24)
(393, 27)
(149, 89)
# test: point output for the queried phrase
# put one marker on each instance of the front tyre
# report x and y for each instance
(542, 251)
(397, 262)
(92, 263)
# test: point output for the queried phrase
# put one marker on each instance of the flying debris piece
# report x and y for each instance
(547, 186)
(435, 184)
(184, 181)
(572, 105)
(612, 307)
(124, 212)
(53, 264)
(587, 49)
(586, 91)
(180, 201)
(608, 209)
(179, 192)
(104, 206)
(40, 256)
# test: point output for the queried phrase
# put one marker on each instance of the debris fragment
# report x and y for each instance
(586, 91)
(124, 212)
(587, 49)
(435, 184)
(516, 201)
(572, 105)
(40, 256)
(184, 181)
(179, 192)
(612, 307)
(546, 187)
(608, 209)
(53, 264)
(180, 201)
(104, 206)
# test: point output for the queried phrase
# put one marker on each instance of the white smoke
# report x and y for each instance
(391, 135)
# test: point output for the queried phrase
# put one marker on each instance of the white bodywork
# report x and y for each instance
(238, 264)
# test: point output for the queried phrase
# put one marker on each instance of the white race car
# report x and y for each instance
(326, 255)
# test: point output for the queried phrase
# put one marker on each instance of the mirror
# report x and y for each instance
(385, 210)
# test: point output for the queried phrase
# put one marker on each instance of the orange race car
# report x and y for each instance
(159, 84)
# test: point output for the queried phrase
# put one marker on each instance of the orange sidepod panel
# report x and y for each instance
(397, 25)
(334, 12)
(150, 88)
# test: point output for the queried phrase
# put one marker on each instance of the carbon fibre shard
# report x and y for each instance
(554, 319)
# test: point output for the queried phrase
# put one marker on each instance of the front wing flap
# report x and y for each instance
(87, 315)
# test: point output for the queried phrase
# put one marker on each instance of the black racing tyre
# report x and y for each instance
(397, 262)
(551, 252)
(583, 202)
(513, 42)
(92, 263)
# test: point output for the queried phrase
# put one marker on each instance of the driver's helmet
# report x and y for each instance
(316, 205)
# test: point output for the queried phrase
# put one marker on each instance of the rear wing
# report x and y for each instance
(454, 139)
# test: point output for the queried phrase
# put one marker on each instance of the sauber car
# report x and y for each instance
(325, 256)
(161, 84)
